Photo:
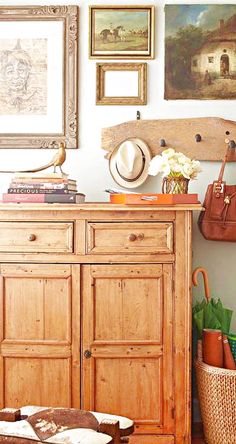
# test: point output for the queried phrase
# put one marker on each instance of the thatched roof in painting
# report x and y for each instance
(210, 47)
(226, 31)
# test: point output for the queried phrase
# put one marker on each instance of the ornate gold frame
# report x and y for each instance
(69, 15)
(141, 99)
(139, 56)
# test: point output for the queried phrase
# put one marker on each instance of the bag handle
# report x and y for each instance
(218, 184)
(222, 170)
(205, 280)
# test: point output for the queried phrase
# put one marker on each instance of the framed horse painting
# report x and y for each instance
(121, 32)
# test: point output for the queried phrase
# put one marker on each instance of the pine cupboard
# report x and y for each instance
(95, 310)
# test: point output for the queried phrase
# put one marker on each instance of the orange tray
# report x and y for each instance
(153, 199)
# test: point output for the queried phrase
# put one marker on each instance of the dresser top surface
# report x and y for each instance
(96, 206)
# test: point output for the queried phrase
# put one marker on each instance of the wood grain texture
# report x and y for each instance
(145, 439)
(178, 134)
(31, 381)
(135, 310)
(37, 348)
(131, 237)
(36, 237)
(182, 322)
(126, 310)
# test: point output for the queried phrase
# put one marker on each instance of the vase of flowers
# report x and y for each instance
(177, 170)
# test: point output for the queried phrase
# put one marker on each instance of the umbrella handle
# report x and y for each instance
(205, 279)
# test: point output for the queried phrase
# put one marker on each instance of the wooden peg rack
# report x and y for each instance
(179, 134)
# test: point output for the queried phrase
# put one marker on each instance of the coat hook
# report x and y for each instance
(162, 143)
(198, 137)
(138, 115)
(232, 144)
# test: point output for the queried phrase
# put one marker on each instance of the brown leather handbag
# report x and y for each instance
(218, 221)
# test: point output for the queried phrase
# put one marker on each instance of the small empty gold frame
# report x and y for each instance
(121, 84)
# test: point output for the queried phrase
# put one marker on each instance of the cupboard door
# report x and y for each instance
(127, 343)
(39, 357)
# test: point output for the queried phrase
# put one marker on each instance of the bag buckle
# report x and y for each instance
(227, 200)
(218, 188)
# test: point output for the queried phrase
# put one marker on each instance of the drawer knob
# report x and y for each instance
(31, 237)
(140, 236)
(132, 237)
(87, 354)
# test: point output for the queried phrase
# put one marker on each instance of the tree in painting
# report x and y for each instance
(200, 52)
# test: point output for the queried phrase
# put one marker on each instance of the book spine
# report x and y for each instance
(40, 176)
(38, 191)
(39, 198)
(42, 186)
(17, 198)
(60, 198)
(42, 180)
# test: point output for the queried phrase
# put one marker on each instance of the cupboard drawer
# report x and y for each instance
(36, 237)
(132, 237)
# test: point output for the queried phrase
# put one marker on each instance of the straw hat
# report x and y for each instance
(129, 163)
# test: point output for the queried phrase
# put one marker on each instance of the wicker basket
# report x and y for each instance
(217, 397)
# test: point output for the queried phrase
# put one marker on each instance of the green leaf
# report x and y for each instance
(199, 322)
(210, 318)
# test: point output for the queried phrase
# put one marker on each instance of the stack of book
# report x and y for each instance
(42, 187)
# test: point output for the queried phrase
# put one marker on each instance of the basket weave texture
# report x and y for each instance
(217, 397)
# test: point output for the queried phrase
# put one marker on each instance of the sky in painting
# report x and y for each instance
(205, 16)
(127, 19)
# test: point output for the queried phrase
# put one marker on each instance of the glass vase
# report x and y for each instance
(175, 185)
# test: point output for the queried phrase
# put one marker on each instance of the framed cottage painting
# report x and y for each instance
(121, 32)
(200, 51)
(38, 76)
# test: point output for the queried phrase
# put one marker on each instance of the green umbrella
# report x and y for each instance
(210, 313)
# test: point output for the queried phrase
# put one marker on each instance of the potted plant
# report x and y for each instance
(176, 168)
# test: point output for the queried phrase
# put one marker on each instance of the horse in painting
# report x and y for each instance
(104, 34)
(117, 33)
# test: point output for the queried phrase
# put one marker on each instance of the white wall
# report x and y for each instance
(90, 168)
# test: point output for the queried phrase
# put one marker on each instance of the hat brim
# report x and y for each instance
(142, 176)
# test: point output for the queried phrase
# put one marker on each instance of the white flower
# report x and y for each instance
(187, 170)
(196, 166)
(159, 164)
(171, 163)
(182, 159)
(168, 153)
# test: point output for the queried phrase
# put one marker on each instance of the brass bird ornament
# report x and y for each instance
(57, 161)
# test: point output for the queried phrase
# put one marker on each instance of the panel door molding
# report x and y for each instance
(127, 329)
(39, 358)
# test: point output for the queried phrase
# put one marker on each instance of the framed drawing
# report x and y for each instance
(38, 76)
(121, 84)
(121, 32)
(200, 51)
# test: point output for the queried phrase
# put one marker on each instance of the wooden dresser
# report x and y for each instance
(95, 311)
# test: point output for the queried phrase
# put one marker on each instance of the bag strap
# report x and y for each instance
(219, 185)
(222, 170)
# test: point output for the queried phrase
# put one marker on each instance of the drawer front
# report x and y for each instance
(151, 439)
(132, 237)
(36, 237)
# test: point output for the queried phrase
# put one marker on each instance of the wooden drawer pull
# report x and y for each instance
(132, 237)
(31, 237)
(140, 236)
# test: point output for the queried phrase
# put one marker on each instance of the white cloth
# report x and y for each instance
(74, 436)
